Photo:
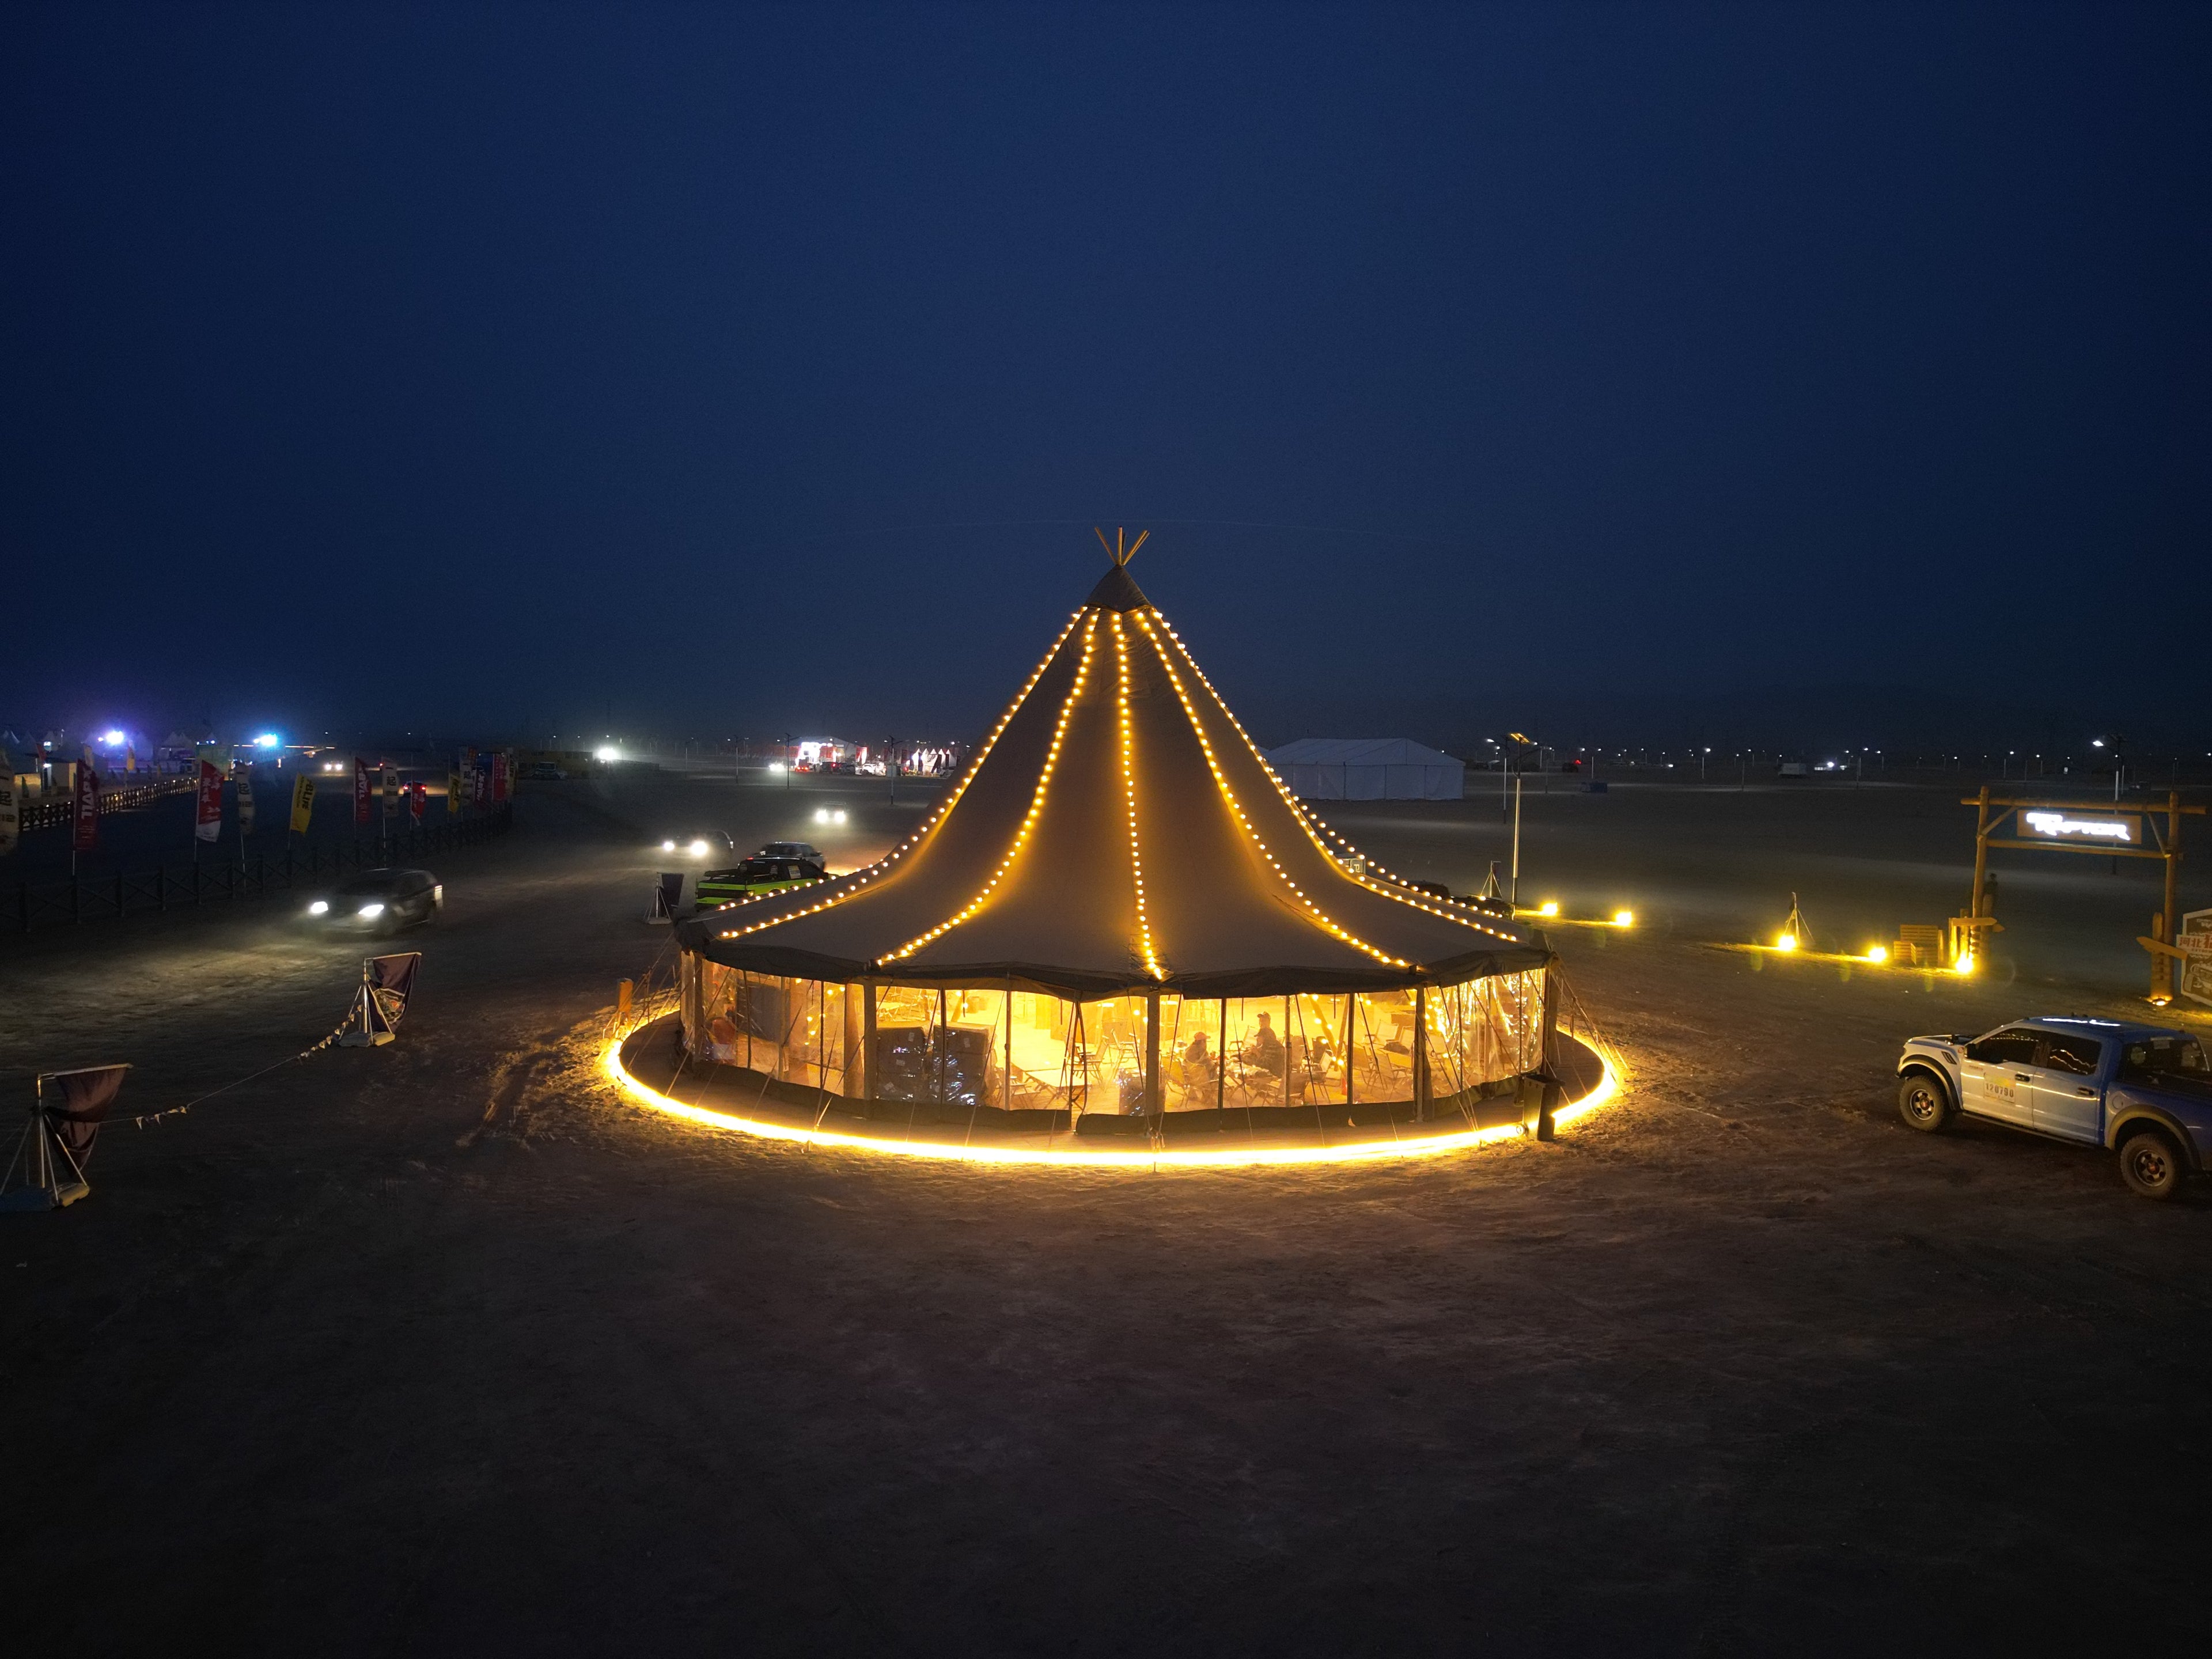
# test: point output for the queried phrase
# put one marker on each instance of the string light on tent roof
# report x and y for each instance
(1228, 795)
(1029, 821)
(859, 879)
(1395, 897)
(1129, 796)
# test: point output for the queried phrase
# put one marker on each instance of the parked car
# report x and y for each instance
(791, 849)
(755, 876)
(2142, 1090)
(699, 844)
(379, 902)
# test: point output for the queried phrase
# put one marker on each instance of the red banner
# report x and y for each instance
(414, 793)
(85, 835)
(498, 779)
(361, 790)
(208, 825)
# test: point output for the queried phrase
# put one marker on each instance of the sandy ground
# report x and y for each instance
(442, 1348)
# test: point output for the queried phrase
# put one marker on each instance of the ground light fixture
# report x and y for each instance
(1624, 918)
(1877, 953)
(1786, 942)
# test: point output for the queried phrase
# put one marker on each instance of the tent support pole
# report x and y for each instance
(867, 1039)
(1548, 1103)
(1421, 1052)
(1153, 1094)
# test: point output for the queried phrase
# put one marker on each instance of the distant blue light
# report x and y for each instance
(266, 740)
(113, 737)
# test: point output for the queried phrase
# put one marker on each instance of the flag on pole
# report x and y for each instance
(129, 758)
(388, 778)
(360, 790)
(498, 779)
(453, 794)
(416, 791)
(208, 825)
(245, 801)
(303, 803)
(85, 832)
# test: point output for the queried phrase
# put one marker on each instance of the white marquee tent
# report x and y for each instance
(1368, 768)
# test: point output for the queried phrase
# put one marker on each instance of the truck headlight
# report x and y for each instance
(372, 909)
(320, 907)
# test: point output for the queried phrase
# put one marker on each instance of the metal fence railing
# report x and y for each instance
(82, 898)
(52, 814)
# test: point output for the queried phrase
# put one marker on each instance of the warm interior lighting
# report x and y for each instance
(1429, 1145)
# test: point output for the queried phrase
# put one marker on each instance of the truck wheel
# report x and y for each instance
(2151, 1164)
(1922, 1103)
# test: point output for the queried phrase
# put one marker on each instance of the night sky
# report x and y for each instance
(523, 369)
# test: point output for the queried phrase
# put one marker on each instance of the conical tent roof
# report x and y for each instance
(1117, 831)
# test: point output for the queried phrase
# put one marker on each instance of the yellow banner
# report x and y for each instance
(453, 794)
(303, 803)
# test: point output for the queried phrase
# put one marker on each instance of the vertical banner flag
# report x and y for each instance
(10, 820)
(453, 794)
(390, 780)
(414, 793)
(129, 758)
(360, 790)
(208, 825)
(303, 803)
(245, 800)
(86, 835)
(498, 779)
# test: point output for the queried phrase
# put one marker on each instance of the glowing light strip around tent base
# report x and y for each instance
(1430, 1146)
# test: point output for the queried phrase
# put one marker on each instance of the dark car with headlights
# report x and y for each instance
(379, 902)
(699, 844)
(755, 875)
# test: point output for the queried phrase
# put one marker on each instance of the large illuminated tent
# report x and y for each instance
(1116, 923)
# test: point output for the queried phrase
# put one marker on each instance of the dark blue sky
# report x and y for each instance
(495, 366)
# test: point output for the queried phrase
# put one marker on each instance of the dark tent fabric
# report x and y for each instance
(1117, 832)
(80, 1106)
(390, 982)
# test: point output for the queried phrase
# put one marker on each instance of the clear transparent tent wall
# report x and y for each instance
(1023, 1050)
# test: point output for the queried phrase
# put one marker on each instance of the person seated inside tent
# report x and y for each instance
(1266, 1049)
(1198, 1053)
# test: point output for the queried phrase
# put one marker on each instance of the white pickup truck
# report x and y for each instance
(2144, 1091)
